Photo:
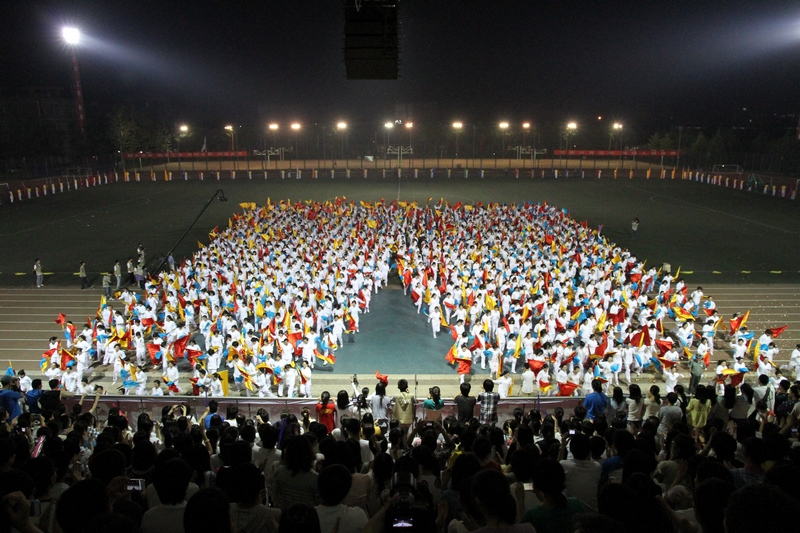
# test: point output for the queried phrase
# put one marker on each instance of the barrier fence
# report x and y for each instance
(132, 406)
(25, 190)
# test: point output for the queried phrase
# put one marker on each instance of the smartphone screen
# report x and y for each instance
(136, 484)
(36, 508)
(527, 486)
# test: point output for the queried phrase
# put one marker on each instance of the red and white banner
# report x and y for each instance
(175, 155)
(618, 153)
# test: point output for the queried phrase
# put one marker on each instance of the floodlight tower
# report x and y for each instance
(72, 37)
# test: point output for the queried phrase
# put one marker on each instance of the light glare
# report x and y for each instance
(71, 35)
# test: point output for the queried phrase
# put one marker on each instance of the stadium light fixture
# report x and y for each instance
(503, 125)
(273, 126)
(295, 126)
(72, 36)
(341, 125)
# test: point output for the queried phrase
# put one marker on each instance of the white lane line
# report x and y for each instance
(705, 208)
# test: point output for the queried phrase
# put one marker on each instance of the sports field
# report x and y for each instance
(741, 245)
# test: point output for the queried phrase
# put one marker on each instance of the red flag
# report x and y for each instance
(775, 332)
(451, 354)
(193, 355)
(566, 389)
(535, 365)
(147, 322)
(382, 378)
(179, 346)
(663, 345)
(154, 350)
(67, 359)
(61, 319)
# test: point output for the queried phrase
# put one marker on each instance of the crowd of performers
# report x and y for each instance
(517, 286)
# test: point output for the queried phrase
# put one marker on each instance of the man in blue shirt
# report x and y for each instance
(213, 407)
(32, 397)
(9, 398)
(595, 402)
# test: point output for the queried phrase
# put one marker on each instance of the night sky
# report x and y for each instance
(654, 63)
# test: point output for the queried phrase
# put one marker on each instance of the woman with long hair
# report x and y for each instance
(343, 404)
(699, 407)
(325, 411)
(743, 405)
(433, 405)
(379, 402)
(635, 408)
(653, 402)
(724, 404)
(617, 406)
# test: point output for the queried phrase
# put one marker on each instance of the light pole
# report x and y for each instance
(183, 129)
(457, 127)
(525, 127)
(571, 127)
(503, 128)
(410, 127)
(295, 127)
(230, 131)
(388, 129)
(72, 36)
(342, 127)
(616, 130)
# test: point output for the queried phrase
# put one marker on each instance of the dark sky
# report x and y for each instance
(647, 62)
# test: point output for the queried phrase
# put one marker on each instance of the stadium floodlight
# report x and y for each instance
(409, 125)
(72, 36)
(184, 128)
(341, 125)
(273, 126)
(503, 125)
(295, 126)
(457, 125)
(388, 125)
(526, 125)
(572, 126)
(617, 126)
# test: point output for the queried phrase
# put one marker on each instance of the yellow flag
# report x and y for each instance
(223, 378)
(200, 245)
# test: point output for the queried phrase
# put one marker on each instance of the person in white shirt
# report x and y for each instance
(503, 384)
(70, 380)
(794, 361)
(157, 390)
(671, 377)
(333, 484)
(173, 375)
(582, 474)
(528, 381)
(216, 386)
(24, 381)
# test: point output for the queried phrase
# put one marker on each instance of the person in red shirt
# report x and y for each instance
(325, 411)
